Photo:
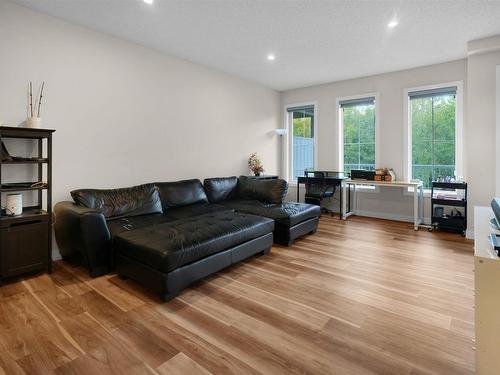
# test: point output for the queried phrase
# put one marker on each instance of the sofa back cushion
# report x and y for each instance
(181, 193)
(116, 203)
(220, 188)
(269, 191)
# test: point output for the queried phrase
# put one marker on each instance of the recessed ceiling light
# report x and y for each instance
(392, 24)
(271, 57)
(148, 2)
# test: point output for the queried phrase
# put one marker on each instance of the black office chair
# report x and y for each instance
(317, 189)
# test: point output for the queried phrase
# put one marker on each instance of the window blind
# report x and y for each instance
(433, 92)
(355, 102)
(307, 110)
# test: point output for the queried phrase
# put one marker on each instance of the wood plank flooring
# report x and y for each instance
(363, 296)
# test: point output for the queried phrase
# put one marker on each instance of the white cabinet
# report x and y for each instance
(487, 296)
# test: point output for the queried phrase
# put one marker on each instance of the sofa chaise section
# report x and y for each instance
(265, 198)
(292, 220)
(170, 256)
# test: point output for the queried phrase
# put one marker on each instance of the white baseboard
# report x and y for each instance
(389, 216)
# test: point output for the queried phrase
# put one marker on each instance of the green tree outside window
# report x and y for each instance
(433, 137)
(302, 142)
(359, 137)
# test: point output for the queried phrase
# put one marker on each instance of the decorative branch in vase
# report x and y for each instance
(255, 164)
(35, 121)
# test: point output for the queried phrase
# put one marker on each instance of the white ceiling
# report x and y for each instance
(314, 41)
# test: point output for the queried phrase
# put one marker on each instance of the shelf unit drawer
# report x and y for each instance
(24, 247)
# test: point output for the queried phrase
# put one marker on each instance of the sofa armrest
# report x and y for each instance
(84, 231)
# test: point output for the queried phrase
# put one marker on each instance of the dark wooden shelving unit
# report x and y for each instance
(25, 161)
(26, 239)
(449, 223)
(5, 188)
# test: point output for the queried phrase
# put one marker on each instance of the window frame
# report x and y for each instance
(407, 129)
(288, 146)
(340, 126)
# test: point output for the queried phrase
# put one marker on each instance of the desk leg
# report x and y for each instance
(342, 201)
(348, 198)
(355, 200)
(341, 205)
(421, 204)
(347, 201)
(298, 192)
(416, 192)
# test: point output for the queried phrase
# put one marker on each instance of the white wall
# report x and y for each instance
(125, 114)
(386, 202)
(481, 142)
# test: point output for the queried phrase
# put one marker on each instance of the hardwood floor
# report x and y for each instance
(363, 296)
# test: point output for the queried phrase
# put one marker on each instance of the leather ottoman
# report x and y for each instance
(167, 257)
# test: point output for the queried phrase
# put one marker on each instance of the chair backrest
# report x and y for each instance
(334, 174)
(315, 183)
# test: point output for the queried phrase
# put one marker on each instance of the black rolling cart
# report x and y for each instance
(449, 195)
(26, 239)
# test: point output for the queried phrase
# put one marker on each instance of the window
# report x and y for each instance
(433, 124)
(302, 143)
(358, 129)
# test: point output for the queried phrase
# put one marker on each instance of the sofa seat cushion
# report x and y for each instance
(168, 246)
(124, 224)
(286, 214)
(194, 210)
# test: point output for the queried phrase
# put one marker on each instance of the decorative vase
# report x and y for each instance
(257, 174)
(14, 204)
(34, 122)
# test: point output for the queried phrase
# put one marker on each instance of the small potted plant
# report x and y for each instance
(255, 164)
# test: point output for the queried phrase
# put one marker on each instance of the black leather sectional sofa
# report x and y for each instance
(167, 235)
